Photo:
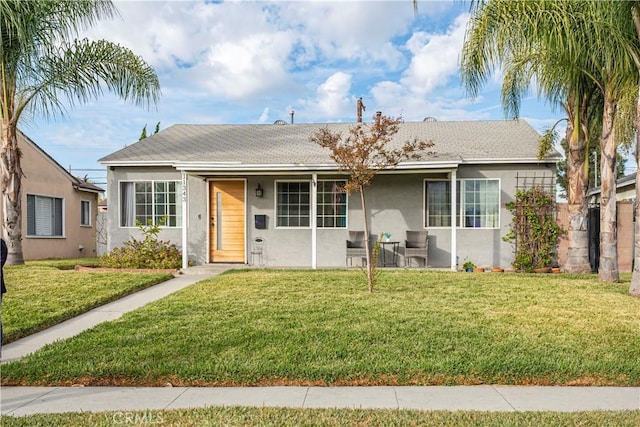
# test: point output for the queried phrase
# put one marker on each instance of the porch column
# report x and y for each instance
(454, 228)
(314, 221)
(185, 255)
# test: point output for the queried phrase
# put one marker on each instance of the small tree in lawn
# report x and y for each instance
(362, 154)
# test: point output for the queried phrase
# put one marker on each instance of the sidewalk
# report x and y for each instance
(18, 401)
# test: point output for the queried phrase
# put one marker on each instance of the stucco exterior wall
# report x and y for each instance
(117, 234)
(395, 204)
(43, 177)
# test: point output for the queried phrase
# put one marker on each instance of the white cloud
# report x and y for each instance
(435, 58)
(332, 98)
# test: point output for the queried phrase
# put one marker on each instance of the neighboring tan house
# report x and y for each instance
(216, 188)
(58, 210)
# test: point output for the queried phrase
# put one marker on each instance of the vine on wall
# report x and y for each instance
(534, 230)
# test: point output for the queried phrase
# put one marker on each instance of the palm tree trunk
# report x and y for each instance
(634, 287)
(577, 234)
(10, 177)
(367, 248)
(608, 271)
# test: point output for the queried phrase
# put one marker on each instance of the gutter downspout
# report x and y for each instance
(185, 255)
(454, 228)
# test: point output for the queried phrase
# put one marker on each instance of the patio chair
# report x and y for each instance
(257, 250)
(356, 247)
(416, 246)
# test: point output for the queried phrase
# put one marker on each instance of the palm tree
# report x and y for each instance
(42, 64)
(578, 52)
(609, 30)
(634, 287)
(516, 36)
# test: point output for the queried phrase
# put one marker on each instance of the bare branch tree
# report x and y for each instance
(365, 152)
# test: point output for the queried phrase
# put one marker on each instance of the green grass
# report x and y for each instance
(242, 416)
(41, 294)
(62, 263)
(322, 327)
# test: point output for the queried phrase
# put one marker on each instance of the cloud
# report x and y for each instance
(435, 58)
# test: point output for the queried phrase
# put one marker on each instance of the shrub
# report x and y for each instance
(534, 229)
(150, 252)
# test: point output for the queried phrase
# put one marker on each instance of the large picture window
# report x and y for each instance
(45, 216)
(332, 204)
(150, 202)
(293, 204)
(478, 202)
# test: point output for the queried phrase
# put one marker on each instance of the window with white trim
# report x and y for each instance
(150, 203)
(478, 202)
(293, 204)
(85, 212)
(438, 203)
(332, 204)
(45, 216)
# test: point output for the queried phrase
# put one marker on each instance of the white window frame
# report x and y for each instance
(319, 205)
(178, 202)
(461, 203)
(82, 204)
(464, 204)
(62, 234)
(275, 192)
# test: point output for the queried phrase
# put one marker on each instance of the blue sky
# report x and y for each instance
(254, 62)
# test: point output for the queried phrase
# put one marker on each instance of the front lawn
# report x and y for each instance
(41, 294)
(322, 327)
(245, 416)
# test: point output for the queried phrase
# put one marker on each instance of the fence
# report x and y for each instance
(625, 235)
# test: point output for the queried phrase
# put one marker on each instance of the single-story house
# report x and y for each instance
(216, 188)
(59, 210)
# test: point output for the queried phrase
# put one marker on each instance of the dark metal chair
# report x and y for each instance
(356, 247)
(257, 250)
(416, 246)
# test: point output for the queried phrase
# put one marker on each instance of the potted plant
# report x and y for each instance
(468, 266)
(387, 236)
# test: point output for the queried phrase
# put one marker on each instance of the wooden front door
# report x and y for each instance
(227, 221)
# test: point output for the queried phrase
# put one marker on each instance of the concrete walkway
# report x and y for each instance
(18, 401)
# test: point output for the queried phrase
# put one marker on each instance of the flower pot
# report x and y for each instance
(478, 270)
(542, 270)
(497, 270)
(555, 270)
(469, 270)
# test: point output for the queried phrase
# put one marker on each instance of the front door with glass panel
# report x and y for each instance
(227, 221)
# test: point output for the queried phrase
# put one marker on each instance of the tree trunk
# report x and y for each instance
(634, 287)
(367, 247)
(11, 180)
(608, 271)
(577, 235)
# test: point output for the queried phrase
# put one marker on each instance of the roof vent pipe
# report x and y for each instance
(291, 113)
(360, 108)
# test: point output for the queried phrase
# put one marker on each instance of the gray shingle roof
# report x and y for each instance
(457, 142)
